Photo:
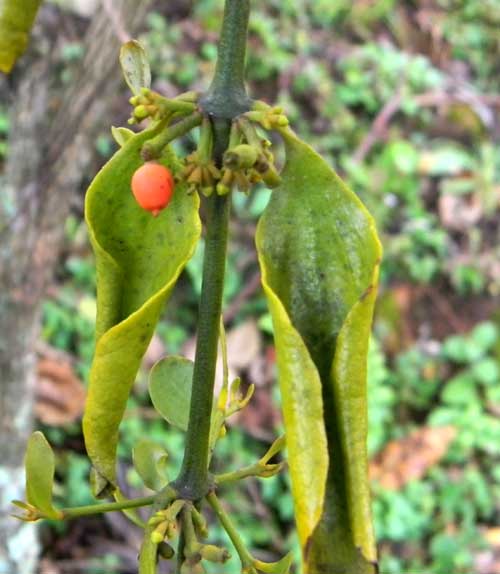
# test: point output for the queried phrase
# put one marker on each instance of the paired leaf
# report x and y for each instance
(148, 457)
(319, 255)
(277, 446)
(170, 387)
(135, 66)
(170, 384)
(40, 468)
(16, 20)
(138, 259)
(281, 567)
(121, 135)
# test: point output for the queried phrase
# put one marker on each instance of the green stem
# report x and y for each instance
(229, 527)
(180, 552)
(107, 507)
(245, 472)
(191, 542)
(153, 148)
(193, 480)
(227, 97)
(206, 142)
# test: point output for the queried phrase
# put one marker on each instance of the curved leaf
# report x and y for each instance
(135, 66)
(40, 467)
(281, 567)
(319, 255)
(138, 259)
(121, 135)
(147, 456)
(170, 382)
(16, 20)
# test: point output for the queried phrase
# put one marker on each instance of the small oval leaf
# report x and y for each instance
(121, 135)
(135, 66)
(40, 468)
(170, 383)
(147, 456)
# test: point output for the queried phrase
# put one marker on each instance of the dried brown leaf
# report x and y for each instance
(410, 457)
(60, 395)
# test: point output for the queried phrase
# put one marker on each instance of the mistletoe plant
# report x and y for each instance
(319, 254)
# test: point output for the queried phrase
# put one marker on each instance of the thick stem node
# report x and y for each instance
(227, 97)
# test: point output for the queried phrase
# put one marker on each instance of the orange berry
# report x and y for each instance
(153, 187)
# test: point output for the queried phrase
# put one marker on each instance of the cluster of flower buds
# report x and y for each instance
(246, 164)
(151, 104)
(165, 522)
(208, 552)
(270, 118)
(194, 525)
(201, 174)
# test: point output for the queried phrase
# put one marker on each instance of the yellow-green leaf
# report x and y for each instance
(281, 567)
(170, 383)
(121, 135)
(135, 66)
(40, 467)
(16, 20)
(319, 255)
(147, 456)
(138, 258)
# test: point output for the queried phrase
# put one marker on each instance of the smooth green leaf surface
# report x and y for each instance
(40, 467)
(319, 255)
(16, 20)
(146, 455)
(135, 66)
(138, 258)
(170, 383)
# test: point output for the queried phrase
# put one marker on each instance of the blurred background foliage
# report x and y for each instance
(403, 98)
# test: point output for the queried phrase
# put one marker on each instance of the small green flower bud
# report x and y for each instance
(214, 553)
(222, 189)
(141, 112)
(158, 533)
(271, 177)
(207, 190)
(156, 537)
(241, 157)
(165, 550)
(195, 176)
